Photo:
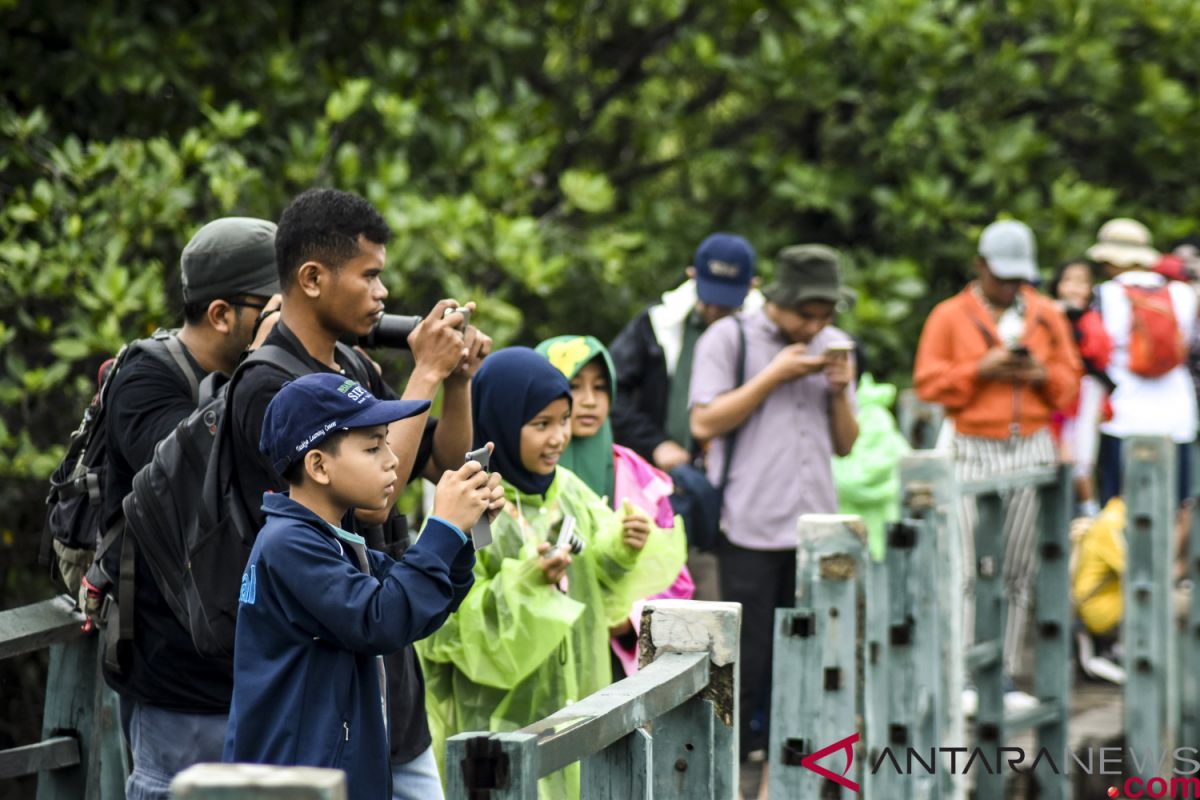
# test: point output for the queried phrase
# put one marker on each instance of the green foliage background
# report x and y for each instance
(557, 161)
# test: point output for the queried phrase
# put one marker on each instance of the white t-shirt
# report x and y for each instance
(1163, 406)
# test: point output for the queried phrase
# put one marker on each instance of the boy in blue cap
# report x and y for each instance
(318, 610)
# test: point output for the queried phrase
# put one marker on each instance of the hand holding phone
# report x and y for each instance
(481, 531)
(466, 316)
(838, 350)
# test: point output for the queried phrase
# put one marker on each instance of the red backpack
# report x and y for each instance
(1155, 344)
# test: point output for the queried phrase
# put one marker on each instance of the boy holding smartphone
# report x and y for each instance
(318, 610)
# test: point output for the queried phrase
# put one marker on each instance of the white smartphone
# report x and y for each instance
(840, 349)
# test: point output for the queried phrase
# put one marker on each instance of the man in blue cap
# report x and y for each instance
(652, 356)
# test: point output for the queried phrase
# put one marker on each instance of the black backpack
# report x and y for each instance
(74, 528)
(187, 516)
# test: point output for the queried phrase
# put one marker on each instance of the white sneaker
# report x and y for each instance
(1016, 701)
(970, 702)
(1103, 668)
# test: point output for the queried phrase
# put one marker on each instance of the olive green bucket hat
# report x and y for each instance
(806, 272)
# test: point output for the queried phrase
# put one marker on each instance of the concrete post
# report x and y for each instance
(258, 782)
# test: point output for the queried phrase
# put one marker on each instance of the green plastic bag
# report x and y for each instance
(868, 480)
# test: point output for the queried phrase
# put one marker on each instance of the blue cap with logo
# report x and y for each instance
(724, 270)
(311, 407)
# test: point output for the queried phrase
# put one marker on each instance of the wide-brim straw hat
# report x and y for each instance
(1124, 243)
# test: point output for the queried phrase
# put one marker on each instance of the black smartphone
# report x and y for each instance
(481, 531)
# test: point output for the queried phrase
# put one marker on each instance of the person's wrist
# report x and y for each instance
(772, 374)
(457, 379)
(424, 382)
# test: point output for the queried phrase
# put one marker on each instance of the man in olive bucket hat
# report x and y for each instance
(779, 428)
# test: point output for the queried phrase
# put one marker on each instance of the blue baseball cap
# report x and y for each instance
(311, 407)
(724, 270)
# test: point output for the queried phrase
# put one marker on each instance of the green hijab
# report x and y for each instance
(590, 458)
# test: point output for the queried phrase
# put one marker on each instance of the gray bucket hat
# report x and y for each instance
(228, 257)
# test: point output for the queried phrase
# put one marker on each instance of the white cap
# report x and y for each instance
(1009, 250)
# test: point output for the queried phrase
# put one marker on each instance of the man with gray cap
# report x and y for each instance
(174, 702)
(772, 393)
(1001, 359)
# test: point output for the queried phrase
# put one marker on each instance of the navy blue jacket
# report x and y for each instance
(311, 625)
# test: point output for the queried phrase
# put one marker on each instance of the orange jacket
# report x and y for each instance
(954, 341)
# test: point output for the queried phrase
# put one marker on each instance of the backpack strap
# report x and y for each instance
(277, 357)
(988, 338)
(118, 625)
(166, 347)
(175, 350)
(731, 437)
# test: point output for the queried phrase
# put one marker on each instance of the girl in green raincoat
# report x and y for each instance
(613, 471)
(532, 635)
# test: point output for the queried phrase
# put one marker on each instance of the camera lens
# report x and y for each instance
(391, 331)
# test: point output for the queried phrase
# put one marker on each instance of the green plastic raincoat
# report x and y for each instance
(519, 649)
(868, 480)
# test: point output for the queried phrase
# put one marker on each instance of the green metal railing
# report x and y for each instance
(1162, 653)
(876, 649)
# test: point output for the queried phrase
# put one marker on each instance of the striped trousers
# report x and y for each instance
(976, 458)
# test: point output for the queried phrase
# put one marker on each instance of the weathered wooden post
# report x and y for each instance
(258, 782)
(1052, 648)
(1147, 629)
(911, 673)
(817, 683)
(80, 709)
(1189, 645)
(931, 495)
(987, 657)
(695, 752)
(919, 422)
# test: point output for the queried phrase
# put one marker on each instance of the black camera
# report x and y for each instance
(391, 331)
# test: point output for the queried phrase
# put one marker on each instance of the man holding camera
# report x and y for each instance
(779, 426)
(1001, 359)
(331, 249)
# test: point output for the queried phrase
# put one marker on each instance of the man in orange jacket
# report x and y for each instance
(1001, 359)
